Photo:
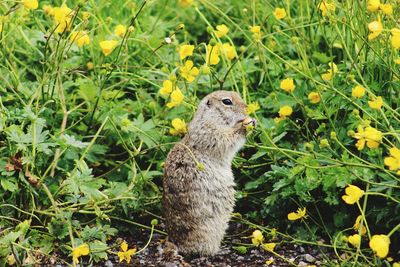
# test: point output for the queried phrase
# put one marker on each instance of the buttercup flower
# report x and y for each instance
(314, 97)
(188, 71)
(176, 98)
(126, 254)
(285, 111)
(395, 39)
(256, 30)
(85, 15)
(2, 20)
(354, 240)
(368, 135)
(287, 85)
(269, 246)
(80, 38)
(380, 245)
(373, 5)
(387, 9)
(300, 213)
(222, 30)
(376, 103)
(179, 127)
(166, 89)
(79, 251)
(393, 162)
(375, 28)
(185, 3)
(108, 46)
(257, 238)
(357, 225)
(62, 16)
(327, 76)
(327, 7)
(31, 4)
(212, 56)
(185, 51)
(228, 50)
(353, 194)
(358, 91)
(252, 107)
(279, 13)
(48, 9)
(120, 30)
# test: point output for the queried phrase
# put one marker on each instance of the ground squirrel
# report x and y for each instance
(198, 181)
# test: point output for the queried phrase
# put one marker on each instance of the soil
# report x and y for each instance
(158, 253)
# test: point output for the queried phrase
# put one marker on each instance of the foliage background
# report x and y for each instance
(82, 146)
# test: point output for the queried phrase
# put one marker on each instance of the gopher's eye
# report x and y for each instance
(227, 102)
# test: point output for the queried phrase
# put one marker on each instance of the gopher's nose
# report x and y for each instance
(249, 121)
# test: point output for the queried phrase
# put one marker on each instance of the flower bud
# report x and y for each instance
(324, 143)
(333, 135)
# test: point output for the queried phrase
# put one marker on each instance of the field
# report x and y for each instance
(93, 95)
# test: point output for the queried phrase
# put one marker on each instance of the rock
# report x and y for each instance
(302, 250)
(108, 264)
(302, 264)
(309, 258)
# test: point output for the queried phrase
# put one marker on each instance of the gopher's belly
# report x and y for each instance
(197, 217)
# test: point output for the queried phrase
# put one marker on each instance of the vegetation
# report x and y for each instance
(95, 93)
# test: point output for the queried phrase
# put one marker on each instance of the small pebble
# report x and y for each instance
(108, 264)
(302, 264)
(309, 258)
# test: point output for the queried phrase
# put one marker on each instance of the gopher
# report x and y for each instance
(198, 196)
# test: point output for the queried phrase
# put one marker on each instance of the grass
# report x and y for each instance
(85, 128)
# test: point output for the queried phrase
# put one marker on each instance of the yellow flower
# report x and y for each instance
(396, 264)
(397, 60)
(327, 76)
(369, 135)
(188, 71)
(257, 238)
(332, 67)
(85, 15)
(185, 51)
(79, 251)
(48, 9)
(358, 91)
(300, 213)
(176, 98)
(252, 108)
(90, 65)
(228, 50)
(373, 5)
(357, 225)
(393, 162)
(380, 245)
(376, 103)
(256, 30)
(126, 254)
(62, 16)
(31, 4)
(212, 55)
(167, 88)
(222, 30)
(287, 85)
(395, 39)
(375, 28)
(285, 111)
(314, 97)
(80, 38)
(354, 240)
(269, 246)
(279, 13)
(327, 7)
(108, 46)
(387, 9)
(353, 194)
(120, 30)
(2, 20)
(185, 3)
(179, 127)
